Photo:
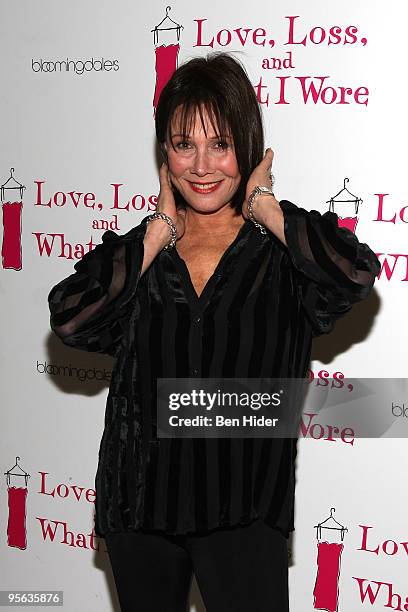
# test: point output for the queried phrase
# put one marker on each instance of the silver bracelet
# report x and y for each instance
(170, 223)
(258, 190)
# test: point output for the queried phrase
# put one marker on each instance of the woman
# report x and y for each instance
(221, 281)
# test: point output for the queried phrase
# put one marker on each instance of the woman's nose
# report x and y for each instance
(202, 162)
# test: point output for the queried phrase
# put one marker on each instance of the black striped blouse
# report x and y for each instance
(256, 317)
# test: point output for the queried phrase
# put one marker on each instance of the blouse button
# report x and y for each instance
(197, 319)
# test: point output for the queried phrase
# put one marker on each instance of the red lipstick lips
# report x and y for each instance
(203, 190)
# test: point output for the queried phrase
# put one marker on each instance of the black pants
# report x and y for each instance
(237, 569)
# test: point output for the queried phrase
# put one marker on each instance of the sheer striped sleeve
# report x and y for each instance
(336, 270)
(89, 309)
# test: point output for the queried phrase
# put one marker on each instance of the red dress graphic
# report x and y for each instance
(16, 528)
(348, 222)
(326, 589)
(166, 64)
(11, 249)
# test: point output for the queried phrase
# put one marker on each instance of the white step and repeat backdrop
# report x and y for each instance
(79, 83)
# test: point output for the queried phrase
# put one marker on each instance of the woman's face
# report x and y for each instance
(203, 169)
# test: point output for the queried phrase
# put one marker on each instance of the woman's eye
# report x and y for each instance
(180, 145)
(222, 144)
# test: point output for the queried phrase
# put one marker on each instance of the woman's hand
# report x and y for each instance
(166, 202)
(261, 175)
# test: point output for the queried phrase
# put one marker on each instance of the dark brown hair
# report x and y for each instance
(220, 84)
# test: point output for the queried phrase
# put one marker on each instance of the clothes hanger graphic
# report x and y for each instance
(344, 193)
(20, 472)
(332, 524)
(14, 184)
(166, 24)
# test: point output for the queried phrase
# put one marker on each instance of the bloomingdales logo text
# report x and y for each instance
(75, 66)
(69, 371)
